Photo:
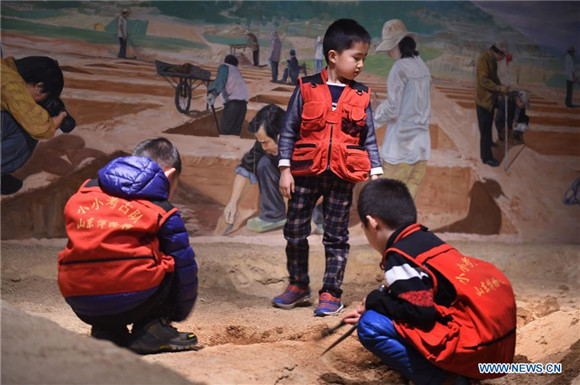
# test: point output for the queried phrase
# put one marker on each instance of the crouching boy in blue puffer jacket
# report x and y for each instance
(128, 259)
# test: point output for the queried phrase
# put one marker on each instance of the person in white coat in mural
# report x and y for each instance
(407, 109)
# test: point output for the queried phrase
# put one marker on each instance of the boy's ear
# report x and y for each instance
(332, 56)
(170, 172)
(373, 223)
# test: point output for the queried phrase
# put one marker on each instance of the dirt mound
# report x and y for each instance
(35, 350)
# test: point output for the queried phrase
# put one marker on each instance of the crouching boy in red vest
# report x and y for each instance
(440, 312)
(128, 259)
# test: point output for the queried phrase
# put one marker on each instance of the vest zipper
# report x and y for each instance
(330, 145)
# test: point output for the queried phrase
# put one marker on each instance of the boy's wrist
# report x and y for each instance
(283, 163)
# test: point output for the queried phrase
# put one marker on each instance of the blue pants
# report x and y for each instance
(377, 333)
(17, 144)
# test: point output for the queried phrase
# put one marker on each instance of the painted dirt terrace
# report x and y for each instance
(512, 218)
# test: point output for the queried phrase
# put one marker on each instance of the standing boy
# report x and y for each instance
(440, 312)
(327, 144)
(128, 259)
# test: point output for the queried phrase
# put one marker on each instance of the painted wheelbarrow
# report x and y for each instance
(184, 78)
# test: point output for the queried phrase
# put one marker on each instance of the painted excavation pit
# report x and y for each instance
(205, 186)
(38, 213)
(203, 123)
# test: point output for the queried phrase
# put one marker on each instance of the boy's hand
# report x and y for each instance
(286, 182)
(354, 316)
(375, 177)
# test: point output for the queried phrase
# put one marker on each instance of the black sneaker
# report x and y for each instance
(10, 184)
(119, 336)
(159, 336)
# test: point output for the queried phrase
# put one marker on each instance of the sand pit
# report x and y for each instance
(247, 341)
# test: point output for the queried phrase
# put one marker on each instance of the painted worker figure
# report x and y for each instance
(489, 88)
(123, 33)
(260, 165)
(230, 85)
(26, 84)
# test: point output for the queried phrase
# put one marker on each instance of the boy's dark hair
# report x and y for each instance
(342, 34)
(271, 117)
(388, 200)
(160, 150)
(42, 69)
(408, 47)
(231, 59)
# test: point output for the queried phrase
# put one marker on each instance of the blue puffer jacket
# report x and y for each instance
(141, 178)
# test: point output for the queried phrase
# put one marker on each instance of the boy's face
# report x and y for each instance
(349, 63)
(519, 103)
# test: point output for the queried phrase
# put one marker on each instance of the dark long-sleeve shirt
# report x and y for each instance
(409, 297)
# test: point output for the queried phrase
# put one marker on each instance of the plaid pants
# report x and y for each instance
(337, 199)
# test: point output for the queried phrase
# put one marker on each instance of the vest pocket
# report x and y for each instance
(313, 116)
(303, 159)
(357, 162)
(353, 119)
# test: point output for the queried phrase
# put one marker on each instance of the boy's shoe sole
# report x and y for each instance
(323, 313)
(304, 301)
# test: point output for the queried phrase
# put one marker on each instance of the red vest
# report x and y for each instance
(481, 321)
(113, 245)
(332, 139)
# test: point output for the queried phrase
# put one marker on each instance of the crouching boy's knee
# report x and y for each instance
(374, 327)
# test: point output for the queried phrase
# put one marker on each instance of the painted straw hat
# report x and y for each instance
(393, 32)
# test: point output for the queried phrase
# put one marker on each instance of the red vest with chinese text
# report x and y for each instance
(332, 139)
(479, 325)
(113, 245)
